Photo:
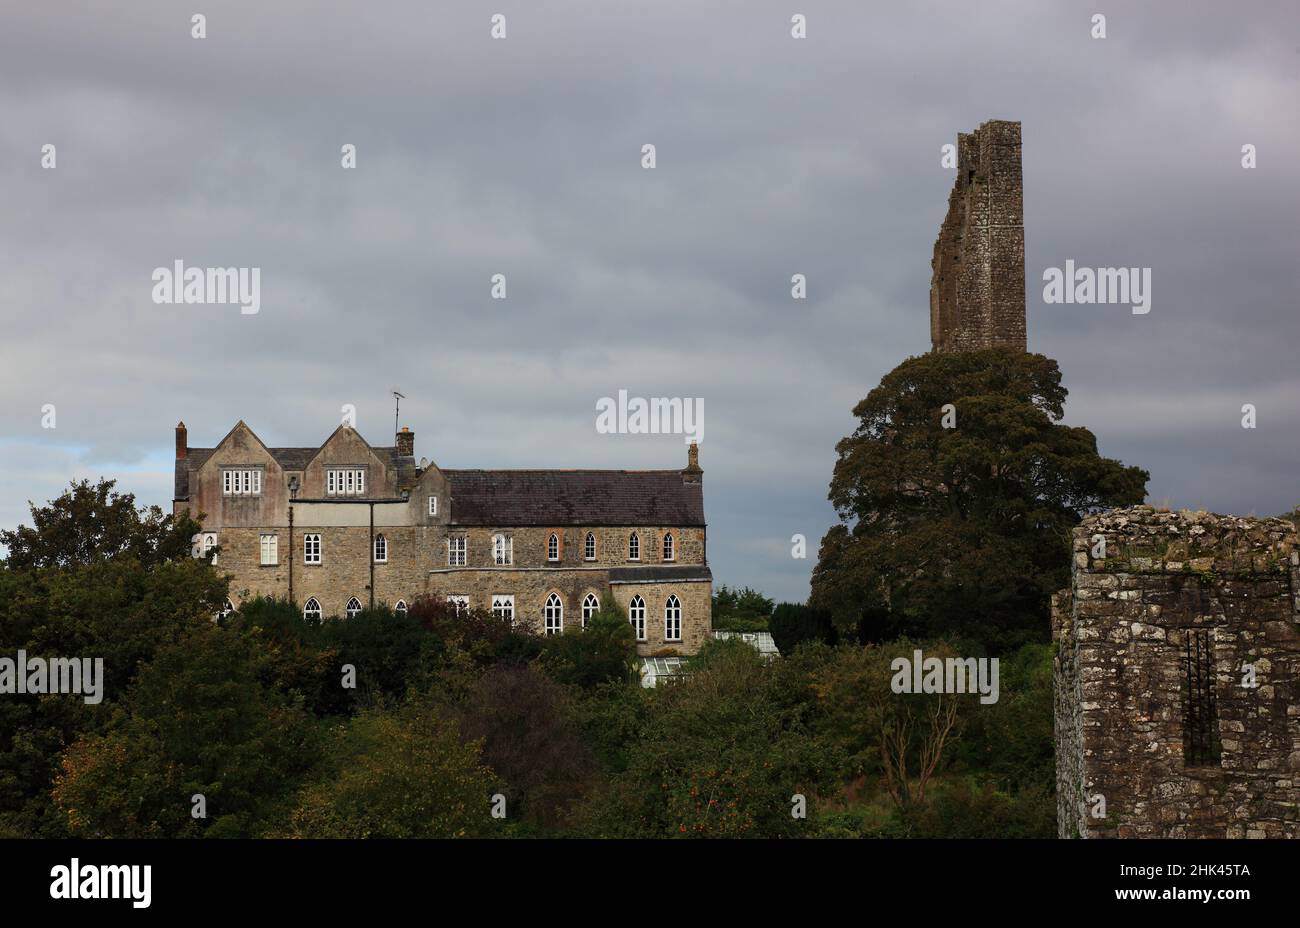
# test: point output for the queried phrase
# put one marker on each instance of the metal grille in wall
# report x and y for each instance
(1200, 715)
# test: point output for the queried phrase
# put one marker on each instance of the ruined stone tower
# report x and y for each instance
(977, 289)
(1178, 678)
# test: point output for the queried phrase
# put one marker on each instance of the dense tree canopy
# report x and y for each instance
(92, 524)
(957, 492)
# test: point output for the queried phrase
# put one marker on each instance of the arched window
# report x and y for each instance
(400, 607)
(553, 547)
(354, 608)
(225, 610)
(634, 547)
(381, 549)
(668, 546)
(311, 610)
(502, 549)
(590, 606)
(589, 547)
(554, 615)
(672, 619)
(636, 615)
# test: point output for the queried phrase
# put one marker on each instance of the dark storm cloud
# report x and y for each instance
(522, 156)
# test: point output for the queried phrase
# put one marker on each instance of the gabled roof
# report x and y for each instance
(525, 497)
(293, 459)
(574, 497)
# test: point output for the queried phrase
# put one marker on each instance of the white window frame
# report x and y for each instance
(460, 601)
(553, 548)
(503, 606)
(589, 547)
(268, 549)
(670, 547)
(345, 481)
(311, 545)
(433, 505)
(553, 615)
(352, 611)
(634, 547)
(381, 549)
(636, 615)
(308, 612)
(400, 607)
(457, 550)
(672, 618)
(503, 550)
(590, 606)
(241, 481)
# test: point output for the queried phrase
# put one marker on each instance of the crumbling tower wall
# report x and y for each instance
(1178, 678)
(977, 288)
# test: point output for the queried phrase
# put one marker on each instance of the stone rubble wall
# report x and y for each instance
(1120, 631)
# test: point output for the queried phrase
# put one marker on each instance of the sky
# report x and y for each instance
(522, 156)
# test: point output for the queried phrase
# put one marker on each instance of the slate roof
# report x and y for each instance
(528, 497)
(574, 497)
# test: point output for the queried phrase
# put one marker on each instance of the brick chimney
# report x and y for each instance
(182, 442)
(406, 443)
(693, 473)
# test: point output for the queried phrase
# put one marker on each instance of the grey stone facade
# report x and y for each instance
(1178, 678)
(291, 499)
(977, 288)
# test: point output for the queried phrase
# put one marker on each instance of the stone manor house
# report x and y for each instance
(345, 526)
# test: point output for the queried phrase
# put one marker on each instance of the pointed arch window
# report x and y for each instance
(553, 547)
(589, 547)
(636, 615)
(311, 610)
(553, 613)
(634, 547)
(590, 606)
(381, 549)
(400, 607)
(670, 552)
(672, 619)
(354, 608)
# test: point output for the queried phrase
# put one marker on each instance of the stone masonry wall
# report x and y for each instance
(977, 288)
(1123, 703)
(417, 565)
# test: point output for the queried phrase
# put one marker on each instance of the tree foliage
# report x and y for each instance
(94, 524)
(961, 530)
(401, 773)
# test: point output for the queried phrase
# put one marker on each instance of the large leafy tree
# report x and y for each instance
(200, 720)
(92, 577)
(956, 494)
(94, 523)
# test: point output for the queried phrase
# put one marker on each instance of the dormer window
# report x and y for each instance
(241, 481)
(345, 481)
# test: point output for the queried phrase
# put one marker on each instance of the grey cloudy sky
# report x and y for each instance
(522, 157)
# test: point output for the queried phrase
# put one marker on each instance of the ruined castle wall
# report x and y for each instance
(1126, 697)
(977, 289)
